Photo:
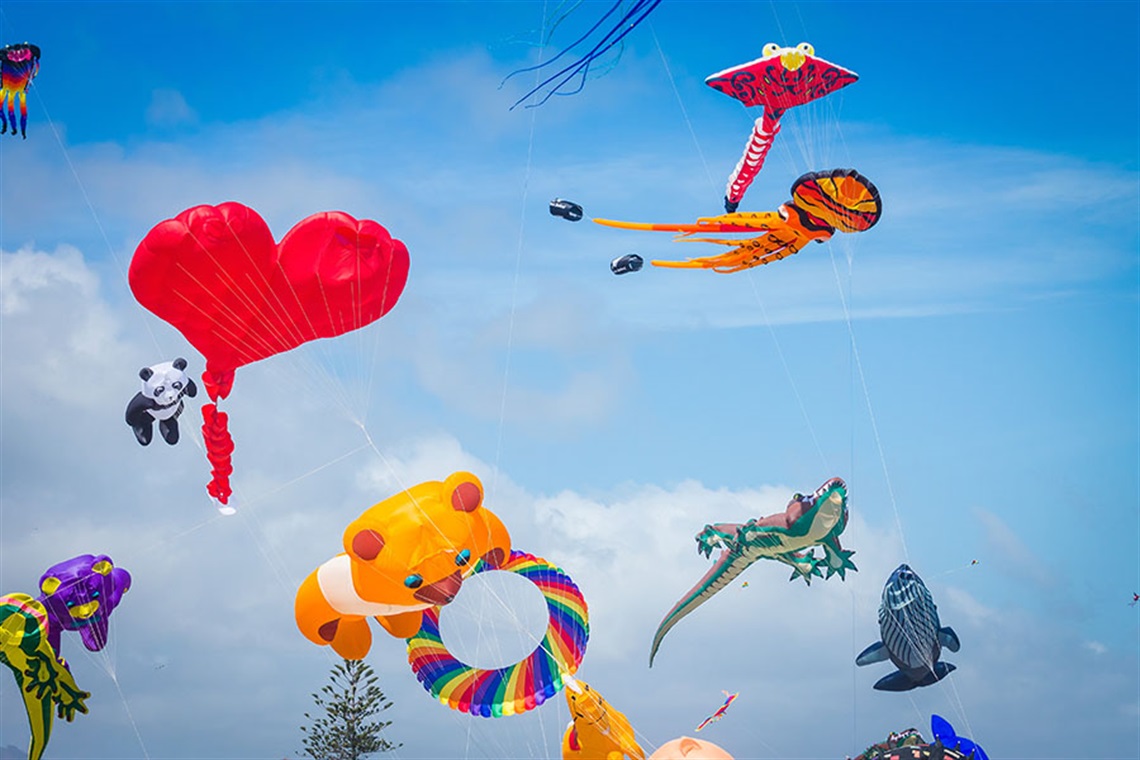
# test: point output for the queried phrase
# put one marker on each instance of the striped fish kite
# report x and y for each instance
(912, 637)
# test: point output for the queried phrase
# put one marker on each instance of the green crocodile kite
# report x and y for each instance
(788, 537)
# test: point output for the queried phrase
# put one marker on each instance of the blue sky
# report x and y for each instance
(970, 366)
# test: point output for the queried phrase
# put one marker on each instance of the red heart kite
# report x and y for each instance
(215, 274)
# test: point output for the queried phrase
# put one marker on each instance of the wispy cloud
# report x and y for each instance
(168, 108)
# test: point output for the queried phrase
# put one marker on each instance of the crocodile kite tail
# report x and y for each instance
(728, 566)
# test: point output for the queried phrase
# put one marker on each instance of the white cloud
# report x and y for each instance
(168, 108)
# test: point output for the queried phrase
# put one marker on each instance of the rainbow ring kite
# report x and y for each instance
(515, 688)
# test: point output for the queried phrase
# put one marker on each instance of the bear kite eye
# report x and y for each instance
(463, 557)
(158, 391)
(413, 581)
(94, 594)
(177, 385)
(70, 602)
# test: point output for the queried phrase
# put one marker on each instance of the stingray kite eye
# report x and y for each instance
(771, 49)
(806, 48)
(463, 557)
(414, 581)
(367, 544)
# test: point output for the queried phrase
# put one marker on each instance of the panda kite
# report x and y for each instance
(163, 386)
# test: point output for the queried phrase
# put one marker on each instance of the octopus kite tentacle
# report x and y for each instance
(788, 537)
(581, 67)
(822, 202)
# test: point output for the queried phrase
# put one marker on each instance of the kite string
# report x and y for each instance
(755, 290)
(108, 668)
(681, 104)
(857, 364)
(806, 143)
(520, 239)
(272, 558)
(91, 207)
(870, 408)
(582, 65)
(103, 659)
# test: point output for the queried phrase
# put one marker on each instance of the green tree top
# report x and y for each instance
(344, 728)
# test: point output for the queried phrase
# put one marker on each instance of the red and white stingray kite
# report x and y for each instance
(784, 78)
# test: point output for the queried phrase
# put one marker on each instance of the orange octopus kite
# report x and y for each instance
(822, 202)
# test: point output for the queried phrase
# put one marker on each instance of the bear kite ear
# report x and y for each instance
(50, 585)
(466, 491)
(367, 544)
(103, 568)
(179, 363)
(145, 373)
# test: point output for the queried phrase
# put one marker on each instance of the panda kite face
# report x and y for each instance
(164, 382)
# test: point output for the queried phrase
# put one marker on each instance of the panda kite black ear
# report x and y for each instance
(145, 373)
(180, 363)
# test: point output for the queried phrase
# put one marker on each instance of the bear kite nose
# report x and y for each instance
(442, 591)
(84, 611)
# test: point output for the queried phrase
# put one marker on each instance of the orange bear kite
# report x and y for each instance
(402, 556)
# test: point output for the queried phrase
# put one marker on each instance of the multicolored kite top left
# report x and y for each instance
(19, 65)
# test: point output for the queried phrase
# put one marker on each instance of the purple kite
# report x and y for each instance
(80, 594)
